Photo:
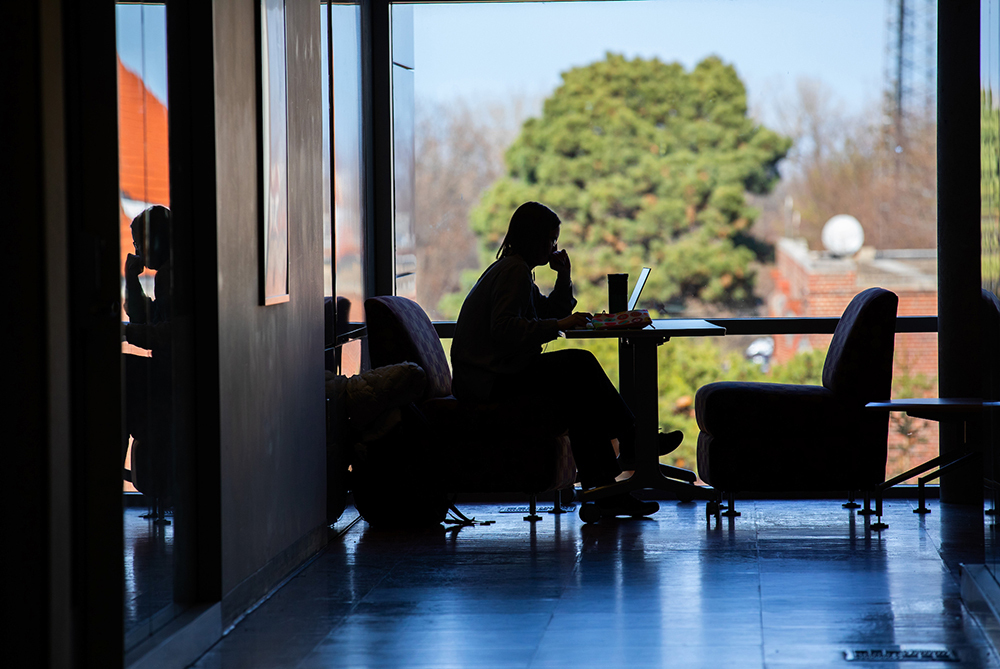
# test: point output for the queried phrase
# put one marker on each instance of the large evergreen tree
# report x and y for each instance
(646, 164)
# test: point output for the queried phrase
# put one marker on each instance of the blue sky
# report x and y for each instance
(142, 44)
(498, 49)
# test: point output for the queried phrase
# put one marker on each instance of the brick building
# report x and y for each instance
(143, 154)
(817, 283)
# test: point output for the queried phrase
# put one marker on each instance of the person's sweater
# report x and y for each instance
(503, 323)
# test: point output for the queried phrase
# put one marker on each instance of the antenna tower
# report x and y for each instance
(910, 63)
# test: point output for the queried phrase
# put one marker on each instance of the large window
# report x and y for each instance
(989, 69)
(711, 141)
(344, 195)
(152, 350)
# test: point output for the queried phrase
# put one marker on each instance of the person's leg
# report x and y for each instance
(577, 387)
(571, 385)
(595, 403)
(596, 414)
(589, 397)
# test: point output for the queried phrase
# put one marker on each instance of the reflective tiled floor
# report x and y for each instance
(789, 584)
(149, 586)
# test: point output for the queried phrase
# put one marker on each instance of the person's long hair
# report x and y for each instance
(529, 225)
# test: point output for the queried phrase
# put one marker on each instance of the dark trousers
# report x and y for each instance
(572, 385)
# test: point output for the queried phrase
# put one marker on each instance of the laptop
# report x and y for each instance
(637, 291)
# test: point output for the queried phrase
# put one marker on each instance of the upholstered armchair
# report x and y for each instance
(477, 448)
(769, 437)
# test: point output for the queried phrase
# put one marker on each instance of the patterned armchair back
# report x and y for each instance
(400, 331)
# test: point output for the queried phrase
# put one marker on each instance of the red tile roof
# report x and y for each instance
(143, 155)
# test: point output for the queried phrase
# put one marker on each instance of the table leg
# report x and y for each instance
(639, 357)
(645, 405)
(626, 371)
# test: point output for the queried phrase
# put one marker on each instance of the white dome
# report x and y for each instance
(843, 235)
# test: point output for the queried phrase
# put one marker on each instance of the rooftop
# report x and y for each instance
(894, 269)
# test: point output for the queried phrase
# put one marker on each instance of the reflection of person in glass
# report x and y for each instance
(148, 379)
(148, 316)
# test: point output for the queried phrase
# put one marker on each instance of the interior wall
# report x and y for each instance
(25, 421)
(272, 426)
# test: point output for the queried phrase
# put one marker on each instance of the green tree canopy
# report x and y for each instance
(646, 164)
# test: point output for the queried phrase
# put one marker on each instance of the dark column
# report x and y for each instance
(197, 514)
(376, 29)
(92, 217)
(26, 432)
(958, 227)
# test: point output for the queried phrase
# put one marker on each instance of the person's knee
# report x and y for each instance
(579, 370)
(585, 360)
(578, 357)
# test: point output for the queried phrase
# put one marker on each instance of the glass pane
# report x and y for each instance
(990, 169)
(324, 31)
(149, 449)
(402, 150)
(403, 181)
(686, 364)
(777, 181)
(664, 135)
(348, 172)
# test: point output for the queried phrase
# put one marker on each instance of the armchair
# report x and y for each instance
(476, 447)
(769, 437)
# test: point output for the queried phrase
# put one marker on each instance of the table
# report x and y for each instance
(932, 408)
(638, 387)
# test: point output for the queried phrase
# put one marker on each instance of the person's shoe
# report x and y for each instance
(667, 442)
(626, 505)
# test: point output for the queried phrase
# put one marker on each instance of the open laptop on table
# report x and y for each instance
(637, 291)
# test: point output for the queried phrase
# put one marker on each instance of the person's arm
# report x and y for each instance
(137, 304)
(151, 330)
(560, 302)
(513, 322)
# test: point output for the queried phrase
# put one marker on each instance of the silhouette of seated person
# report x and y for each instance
(148, 380)
(497, 356)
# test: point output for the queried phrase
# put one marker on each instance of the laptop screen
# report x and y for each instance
(637, 291)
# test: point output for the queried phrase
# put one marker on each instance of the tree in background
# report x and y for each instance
(880, 170)
(989, 133)
(646, 164)
(459, 154)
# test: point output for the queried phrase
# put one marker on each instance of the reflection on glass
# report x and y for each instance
(678, 144)
(324, 38)
(403, 181)
(149, 447)
(989, 69)
(990, 138)
(275, 145)
(348, 174)
(648, 163)
(402, 153)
